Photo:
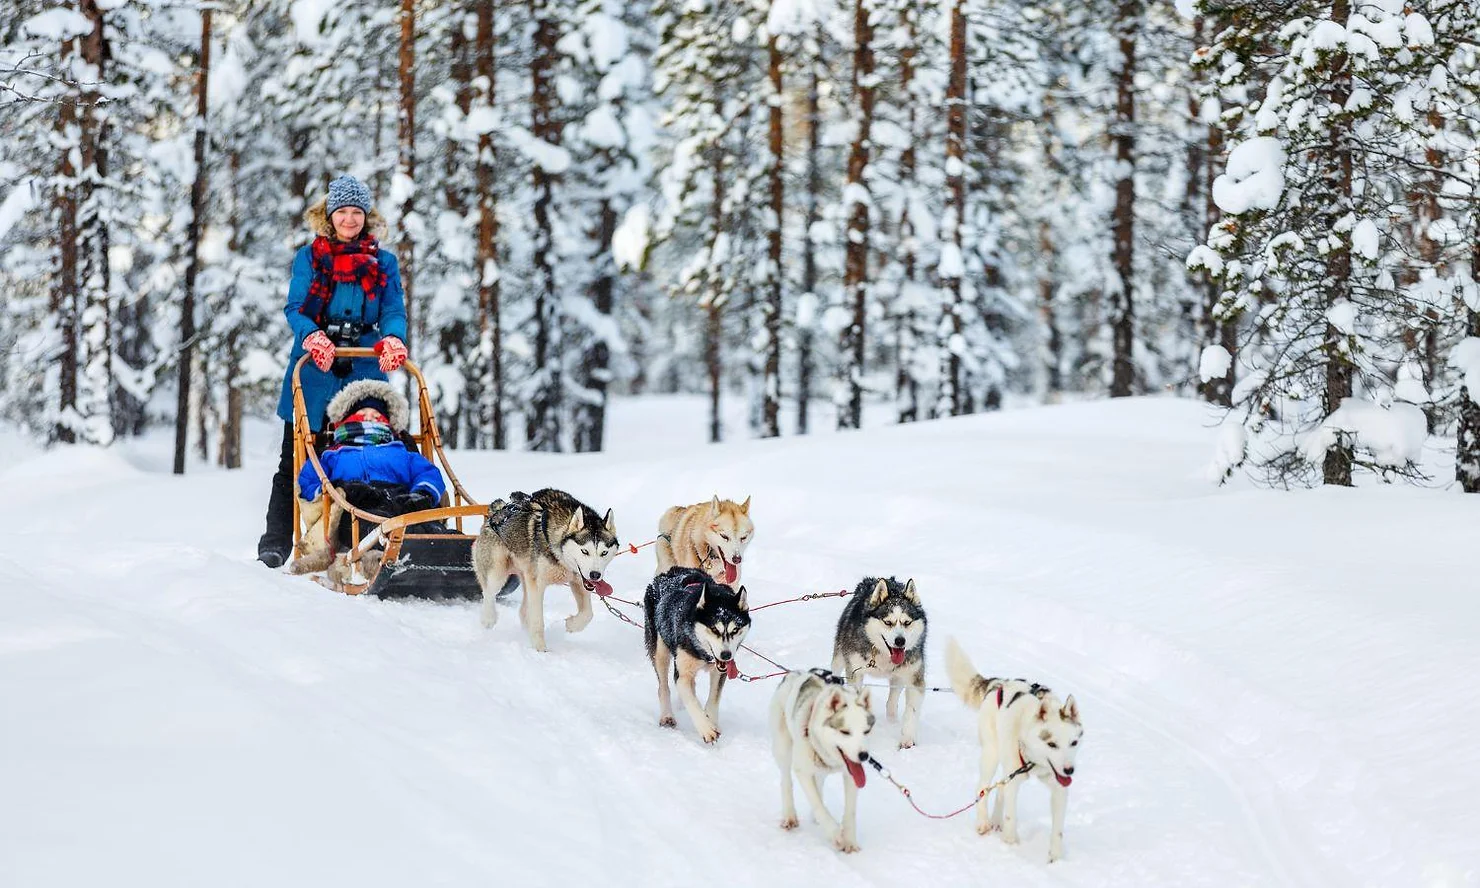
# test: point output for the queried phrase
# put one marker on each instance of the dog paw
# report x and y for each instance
(577, 622)
(983, 829)
(789, 822)
(488, 621)
(667, 721)
(845, 845)
(1009, 838)
(906, 742)
(709, 733)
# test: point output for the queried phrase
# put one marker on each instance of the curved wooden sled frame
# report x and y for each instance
(392, 530)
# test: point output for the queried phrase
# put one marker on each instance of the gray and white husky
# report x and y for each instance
(1023, 727)
(881, 632)
(539, 540)
(693, 623)
(819, 725)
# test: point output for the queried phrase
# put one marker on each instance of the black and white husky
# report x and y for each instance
(819, 725)
(882, 633)
(693, 624)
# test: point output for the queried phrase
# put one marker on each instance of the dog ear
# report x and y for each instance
(834, 698)
(745, 506)
(910, 592)
(714, 507)
(611, 524)
(864, 701)
(1043, 711)
(1070, 712)
(577, 521)
(703, 589)
(881, 592)
(745, 606)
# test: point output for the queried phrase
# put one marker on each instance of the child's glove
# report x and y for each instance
(392, 352)
(320, 348)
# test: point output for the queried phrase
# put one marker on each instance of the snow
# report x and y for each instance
(951, 266)
(1394, 435)
(58, 23)
(1465, 357)
(792, 16)
(1214, 363)
(17, 202)
(1259, 671)
(1343, 316)
(1365, 239)
(630, 240)
(1254, 178)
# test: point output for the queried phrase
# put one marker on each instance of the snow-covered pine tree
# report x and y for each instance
(1303, 248)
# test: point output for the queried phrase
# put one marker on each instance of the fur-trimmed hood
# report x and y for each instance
(316, 217)
(400, 409)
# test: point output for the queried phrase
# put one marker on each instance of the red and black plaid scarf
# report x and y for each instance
(337, 262)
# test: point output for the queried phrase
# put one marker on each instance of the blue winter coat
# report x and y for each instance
(387, 463)
(349, 302)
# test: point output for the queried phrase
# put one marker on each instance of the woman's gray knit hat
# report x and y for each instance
(347, 191)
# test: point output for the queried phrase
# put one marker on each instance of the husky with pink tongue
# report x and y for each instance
(881, 633)
(819, 725)
(1025, 731)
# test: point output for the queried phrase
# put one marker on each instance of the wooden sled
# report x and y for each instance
(414, 565)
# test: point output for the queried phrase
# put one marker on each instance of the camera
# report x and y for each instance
(344, 334)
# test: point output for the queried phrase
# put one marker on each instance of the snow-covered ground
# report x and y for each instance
(1277, 687)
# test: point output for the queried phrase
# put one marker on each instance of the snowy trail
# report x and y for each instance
(183, 716)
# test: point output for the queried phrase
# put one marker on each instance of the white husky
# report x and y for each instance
(818, 726)
(1023, 728)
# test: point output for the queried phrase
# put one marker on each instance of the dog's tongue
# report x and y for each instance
(855, 770)
(896, 655)
(603, 588)
(731, 670)
(1063, 781)
(731, 572)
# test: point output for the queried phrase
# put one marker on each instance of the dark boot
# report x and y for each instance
(276, 544)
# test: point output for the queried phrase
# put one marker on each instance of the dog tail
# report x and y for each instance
(970, 686)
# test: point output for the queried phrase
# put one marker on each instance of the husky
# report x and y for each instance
(1024, 730)
(820, 725)
(696, 625)
(536, 541)
(711, 536)
(881, 632)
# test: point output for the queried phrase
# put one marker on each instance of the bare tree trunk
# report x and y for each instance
(906, 387)
(490, 324)
(299, 141)
(713, 327)
(771, 384)
(1336, 468)
(1054, 360)
(1467, 436)
(809, 248)
(951, 401)
(64, 294)
(543, 425)
(92, 225)
(1123, 222)
(406, 252)
(186, 356)
(590, 420)
(855, 197)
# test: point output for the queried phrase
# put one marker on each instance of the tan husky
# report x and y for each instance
(711, 536)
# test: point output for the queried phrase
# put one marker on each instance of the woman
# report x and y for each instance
(346, 291)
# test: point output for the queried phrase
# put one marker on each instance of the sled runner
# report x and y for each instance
(414, 564)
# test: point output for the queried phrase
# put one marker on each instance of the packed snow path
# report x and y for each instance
(1277, 687)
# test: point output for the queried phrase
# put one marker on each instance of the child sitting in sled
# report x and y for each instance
(371, 466)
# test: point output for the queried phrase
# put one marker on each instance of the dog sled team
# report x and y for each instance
(696, 618)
